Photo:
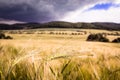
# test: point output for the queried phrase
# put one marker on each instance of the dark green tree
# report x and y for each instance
(97, 37)
(117, 40)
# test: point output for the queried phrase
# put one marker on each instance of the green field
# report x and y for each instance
(58, 54)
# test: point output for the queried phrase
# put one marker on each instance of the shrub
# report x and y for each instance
(3, 36)
(8, 37)
(117, 40)
(97, 37)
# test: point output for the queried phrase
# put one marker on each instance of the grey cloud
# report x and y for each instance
(40, 10)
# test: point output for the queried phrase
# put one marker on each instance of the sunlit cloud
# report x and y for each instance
(103, 12)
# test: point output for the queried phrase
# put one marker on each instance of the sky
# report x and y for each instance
(60, 10)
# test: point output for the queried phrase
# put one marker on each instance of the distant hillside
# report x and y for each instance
(61, 24)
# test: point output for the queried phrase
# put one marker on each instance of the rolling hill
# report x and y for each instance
(61, 24)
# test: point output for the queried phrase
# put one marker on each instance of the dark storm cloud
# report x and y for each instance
(39, 10)
(23, 13)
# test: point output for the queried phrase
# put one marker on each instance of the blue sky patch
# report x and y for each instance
(103, 6)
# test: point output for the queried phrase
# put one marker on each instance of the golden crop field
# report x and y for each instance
(58, 55)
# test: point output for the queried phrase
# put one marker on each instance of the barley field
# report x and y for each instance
(58, 55)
